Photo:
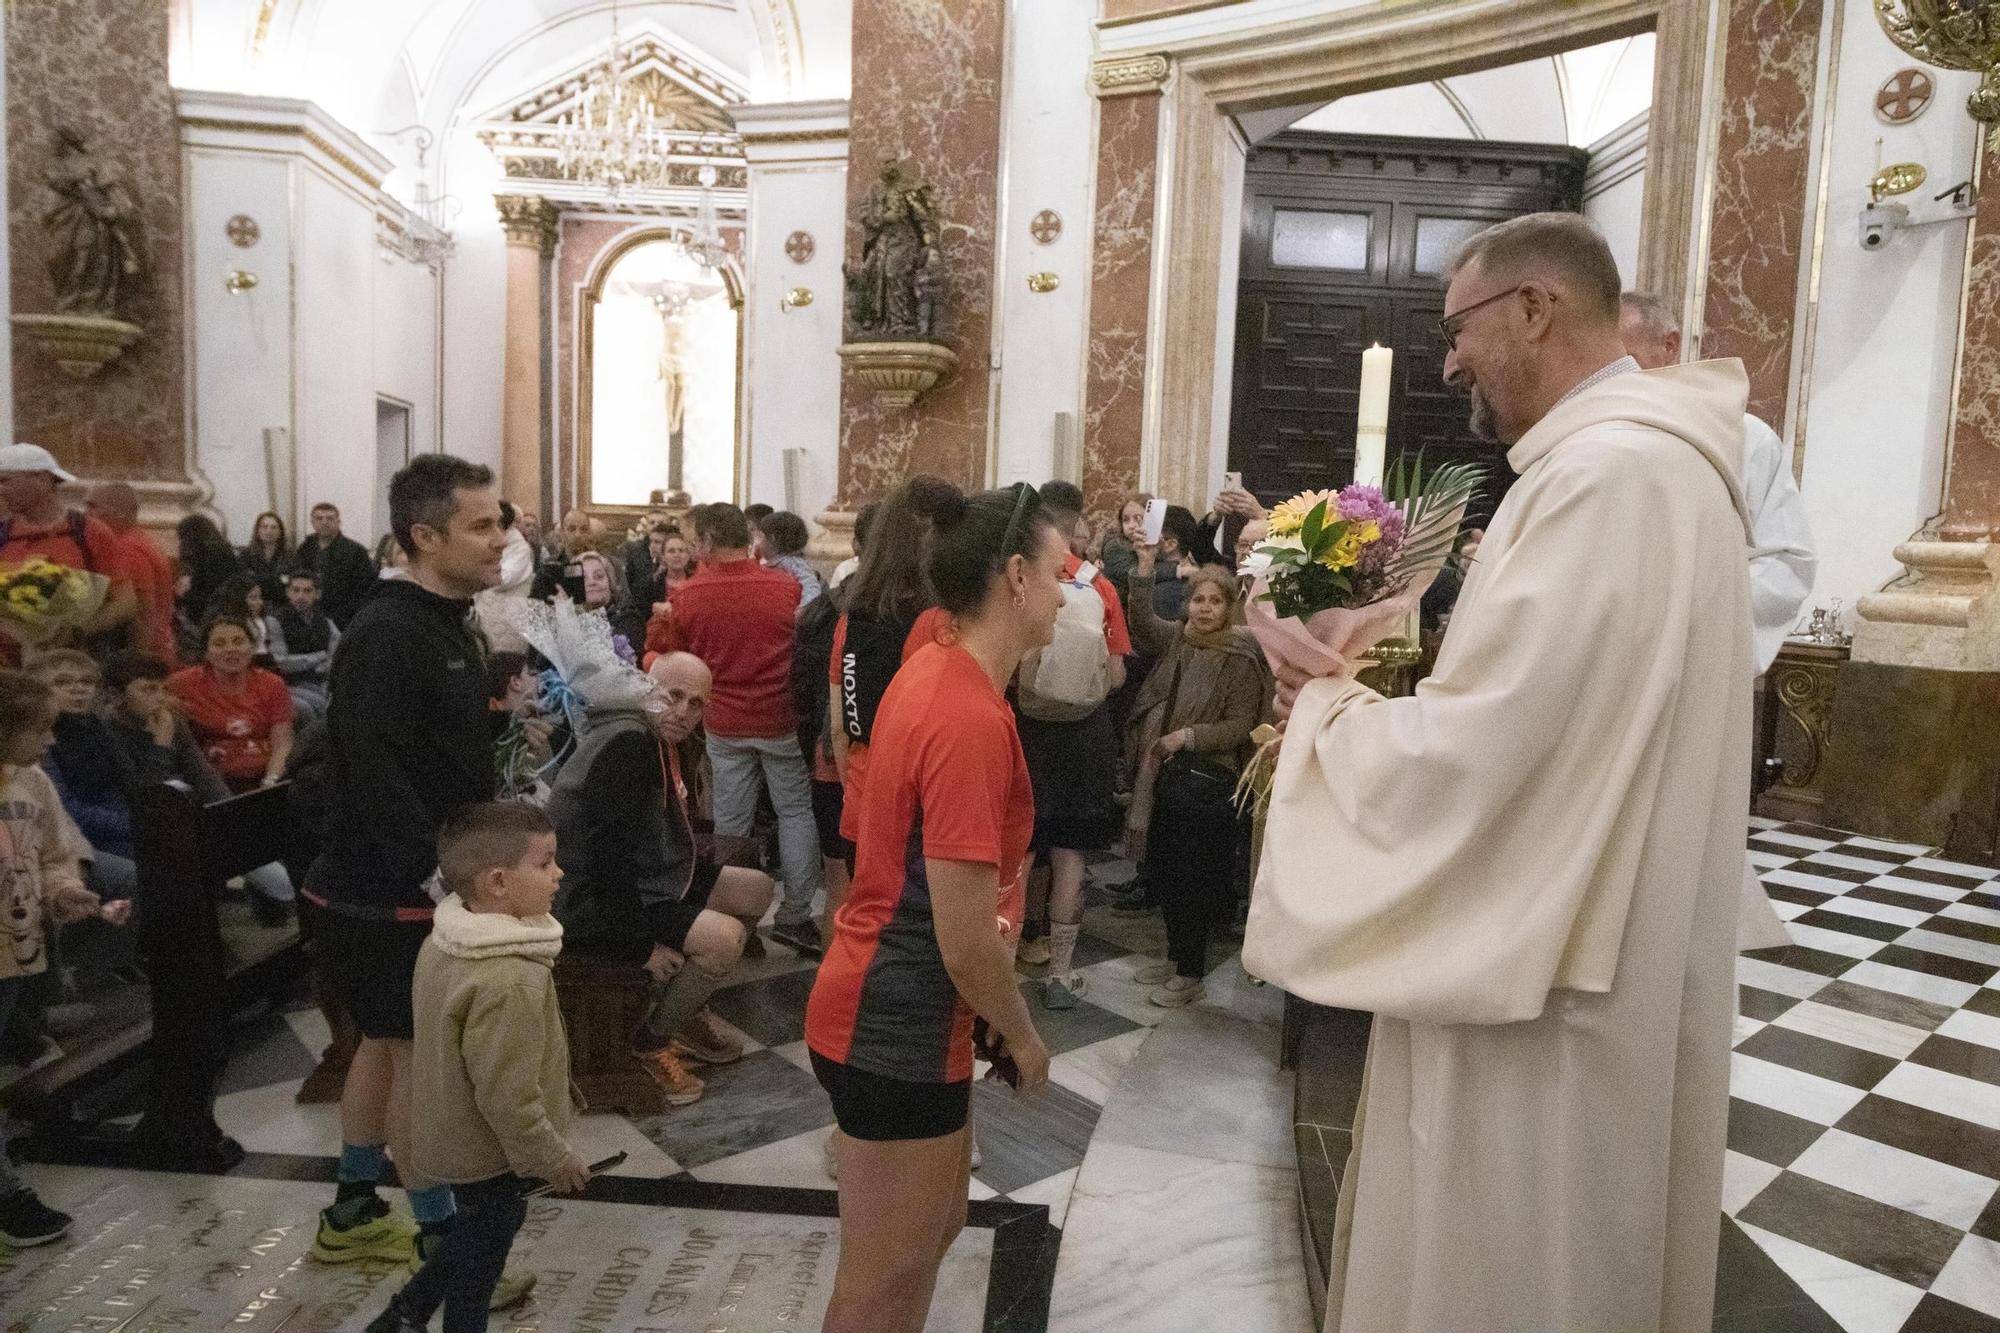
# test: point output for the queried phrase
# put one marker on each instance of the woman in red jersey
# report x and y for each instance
(925, 941)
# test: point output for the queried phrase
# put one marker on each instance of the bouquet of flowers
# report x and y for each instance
(1343, 570)
(41, 600)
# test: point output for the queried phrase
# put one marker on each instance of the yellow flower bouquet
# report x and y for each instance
(41, 600)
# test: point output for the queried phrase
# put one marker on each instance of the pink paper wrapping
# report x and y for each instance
(1328, 642)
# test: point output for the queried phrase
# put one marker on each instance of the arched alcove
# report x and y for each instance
(658, 331)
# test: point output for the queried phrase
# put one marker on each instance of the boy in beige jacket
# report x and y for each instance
(490, 1078)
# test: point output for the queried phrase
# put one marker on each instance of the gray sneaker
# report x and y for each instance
(802, 937)
(1061, 992)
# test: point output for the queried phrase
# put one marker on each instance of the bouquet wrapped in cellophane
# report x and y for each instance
(1341, 571)
(40, 600)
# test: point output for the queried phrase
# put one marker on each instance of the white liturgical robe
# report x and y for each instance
(1529, 872)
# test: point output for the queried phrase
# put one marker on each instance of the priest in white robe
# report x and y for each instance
(1782, 563)
(1529, 871)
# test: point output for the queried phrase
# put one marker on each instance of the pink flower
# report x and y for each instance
(1368, 502)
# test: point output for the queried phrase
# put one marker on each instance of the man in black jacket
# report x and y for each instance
(345, 570)
(636, 887)
(409, 746)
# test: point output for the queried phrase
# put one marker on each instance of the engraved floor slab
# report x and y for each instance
(203, 1252)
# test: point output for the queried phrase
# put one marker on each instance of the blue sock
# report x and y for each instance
(432, 1206)
(360, 1167)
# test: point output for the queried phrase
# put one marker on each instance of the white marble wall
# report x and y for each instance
(1877, 388)
(1048, 160)
(791, 372)
(333, 321)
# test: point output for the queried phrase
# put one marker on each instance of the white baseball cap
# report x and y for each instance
(31, 458)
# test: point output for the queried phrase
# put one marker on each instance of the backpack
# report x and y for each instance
(870, 658)
(812, 649)
(1066, 681)
(78, 533)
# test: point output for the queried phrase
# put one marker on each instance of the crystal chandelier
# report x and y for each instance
(705, 247)
(614, 136)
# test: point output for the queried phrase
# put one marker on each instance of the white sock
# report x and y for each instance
(1062, 946)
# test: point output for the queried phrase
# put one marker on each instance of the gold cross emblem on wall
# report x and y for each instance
(1905, 96)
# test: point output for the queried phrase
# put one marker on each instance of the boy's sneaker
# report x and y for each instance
(703, 1041)
(802, 937)
(364, 1228)
(511, 1290)
(25, 1221)
(667, 1070)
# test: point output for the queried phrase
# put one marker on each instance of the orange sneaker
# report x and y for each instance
(667, 1070)
(703, 1041)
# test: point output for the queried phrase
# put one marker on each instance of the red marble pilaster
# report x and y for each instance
(1757, 226)
(926, 86)
(100, 66)
(1972, 473)
(1121, 259)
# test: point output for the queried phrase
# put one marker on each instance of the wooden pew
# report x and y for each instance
(200, 978)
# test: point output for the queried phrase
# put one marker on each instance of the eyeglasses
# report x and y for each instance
(1449, 326)
(1014, 524)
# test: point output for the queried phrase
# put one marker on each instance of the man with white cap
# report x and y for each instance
(38, 523)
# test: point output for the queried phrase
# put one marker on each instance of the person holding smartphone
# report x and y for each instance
(925, 943)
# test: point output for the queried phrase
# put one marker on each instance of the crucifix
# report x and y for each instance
(671, 299)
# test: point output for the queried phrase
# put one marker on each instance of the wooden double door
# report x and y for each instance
(1346, 240)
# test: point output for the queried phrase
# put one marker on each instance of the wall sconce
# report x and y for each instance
(798, 298)
(1043, 283)
(239, 281)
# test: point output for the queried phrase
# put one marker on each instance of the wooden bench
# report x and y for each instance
(200, 975)
(602, 1003)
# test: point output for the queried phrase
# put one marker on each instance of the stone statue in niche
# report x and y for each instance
(98, 258)
(892, 290)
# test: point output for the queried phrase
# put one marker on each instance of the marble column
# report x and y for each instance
(926, 91)
(1121, 261)
(100, 66)
(527, 453)
(1972, 470)
(1757, 224)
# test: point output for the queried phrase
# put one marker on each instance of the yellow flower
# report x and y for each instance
(1290, 517)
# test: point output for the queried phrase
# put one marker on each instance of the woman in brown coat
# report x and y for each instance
(1187, 738)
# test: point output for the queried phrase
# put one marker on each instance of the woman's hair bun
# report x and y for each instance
(938, 500)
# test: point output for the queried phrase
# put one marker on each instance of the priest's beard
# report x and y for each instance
(1482, 423)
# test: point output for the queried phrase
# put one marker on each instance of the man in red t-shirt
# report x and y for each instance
(152, 573)
(37, 523)
(738, 617)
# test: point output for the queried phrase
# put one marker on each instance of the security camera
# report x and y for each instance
(1878, 221)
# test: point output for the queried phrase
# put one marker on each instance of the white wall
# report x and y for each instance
(1048, 161)
(1614, 190)
(334, 320)
(791, 389)
(475, 313)
(1880, 378)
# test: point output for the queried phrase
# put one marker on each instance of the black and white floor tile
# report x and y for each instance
(1864, 1125)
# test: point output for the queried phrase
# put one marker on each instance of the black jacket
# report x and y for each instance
(410, 744)
(622, 840)
(347, 575)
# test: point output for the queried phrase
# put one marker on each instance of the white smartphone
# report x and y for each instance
(1156, 521)
(1232, 481)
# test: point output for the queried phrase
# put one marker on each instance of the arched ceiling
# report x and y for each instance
(1575, 98)
(378, 65)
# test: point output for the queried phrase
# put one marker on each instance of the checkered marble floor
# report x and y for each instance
(1864, 1125)
(764, 1120)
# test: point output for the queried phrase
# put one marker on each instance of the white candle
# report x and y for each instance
(1371, 440)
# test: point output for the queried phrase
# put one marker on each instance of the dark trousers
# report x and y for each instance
(467, 1264)
(1191, 863)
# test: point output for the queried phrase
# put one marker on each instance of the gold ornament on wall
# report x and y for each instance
(1043, 283)
(243, 231)
(1951, 34)
(1046, 227)
(800, 247)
